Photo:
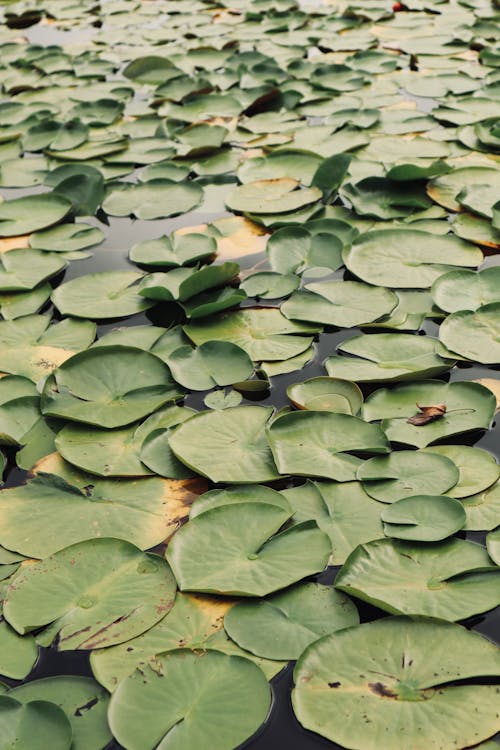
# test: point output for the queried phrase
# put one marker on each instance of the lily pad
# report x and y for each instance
(478, 469)
(407, 258)
(174, 251)
(407, 473)
(181, 284)
(212, 363)
(83, 701)
(112, 592)
(483, 509)
(444, 190)
(270, 285)
(326, 394)
(22, 270)
(227, 446)
(31, 213)
(352, 689)
(108, 294)
(18, 304)
(155, 199)
(277, 195)
(293, 249)
(474, 335)
(469, 406)
(18, 654)
(493, 545)
(263, 333)
(344, 304)
(108, 387)
(318, 443)
(243, 493)
(195, 622)
(67, 238)
(181, 695)
(466, 290)
(423, 518)
(388, 356)
(34, 725)
(451, 580)
(237, 550)
(281, 626)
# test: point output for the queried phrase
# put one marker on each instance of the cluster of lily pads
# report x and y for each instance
(335, 173)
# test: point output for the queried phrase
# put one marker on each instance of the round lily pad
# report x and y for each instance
(270, 285)
(407, 473)
(482, 509)
(326, 394)
(34, 726)
(195, 621)
(174, 251)
(445, 189)
(407, 258)
(466, 290)
(67, 238)
(108, 387)
(352, 689)
(21, 270)
(108, 294)
(83, 701)
(18, 654)
(91, 594)
(474, 335)
(237, 550)
(155, 199)
(493, 545)
(277, 195)
(31, 213)
(452, 579)
(281, 626)
(318, 443)
(469, 406)
(202, 698)
(227, 446)
(478, 468)
(243, 493)
(423, 518)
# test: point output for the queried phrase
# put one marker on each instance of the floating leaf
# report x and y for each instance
(427, 414)
(21, 270)
(155, 199)
(317, 443)
(34, 725)
(237, 550)
(67, 238)
(179, 696)
(181, 284)
(478, 469)
(278, 195)
(352, 689)
(112, 591)
(466, 290)
(108, 294)
(493, 544)
(174, 251)
(326, 394)
(451, 580)
(474, 335)
(108, 387)
(227, 446)
(423, 518)
(17, 654)
(212, 363)
(31, 213)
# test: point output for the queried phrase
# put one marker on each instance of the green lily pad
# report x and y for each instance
(296, 164)
(423, 518)
(317, 443)
(493, 545)
(265, 334)
(18, 654)
(293, 249)
(108, 387)
(22, 270)
(277, 195)
(383, 198)
(270, 285)
(31, 213)
(181, 284)
(53, 511)
(31, 347)
(16, 173)
(352, 689)
(407, 473)
(34, 725)
(444, 190)
(407, 258)
(476, 229)
(237, 550)
(212, 363)
(483, 509)
(344, 304)
(83, 701)
(478, 469)
(118, 453)
(227, 446)
(195, 621)
(388, 357)
(155, 199)
(148, 706)
(474, 334)
(469, 406)
(281, 626)
(249, 493)
(18, 304)
(326, 394)
(451, 580)
(466, 290)
(108, 294)
(174, 251)
(67, 238)
(112, 591)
